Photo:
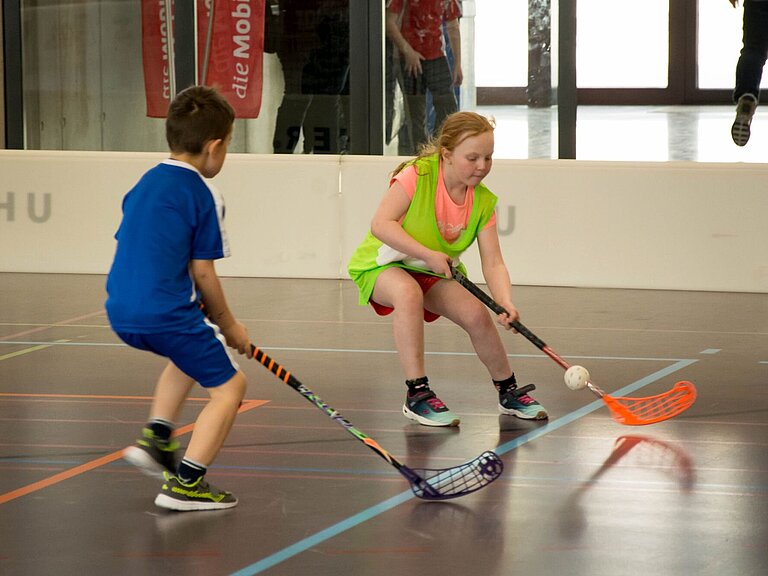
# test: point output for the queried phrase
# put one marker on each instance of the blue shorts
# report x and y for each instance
(200, 352)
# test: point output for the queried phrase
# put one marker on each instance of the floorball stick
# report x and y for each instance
(630, 411)
(426, 483)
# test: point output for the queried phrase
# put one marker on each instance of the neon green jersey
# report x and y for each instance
(372, 256)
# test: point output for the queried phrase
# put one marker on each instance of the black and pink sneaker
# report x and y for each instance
(517, 402)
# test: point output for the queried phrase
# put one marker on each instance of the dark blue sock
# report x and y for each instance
(504, 386)
(161, 429)
(190, 471)
(417, 385)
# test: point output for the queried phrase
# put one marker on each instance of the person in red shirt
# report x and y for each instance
(415, 27)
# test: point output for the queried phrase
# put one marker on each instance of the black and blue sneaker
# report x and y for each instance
(427, 409)
(517, 402)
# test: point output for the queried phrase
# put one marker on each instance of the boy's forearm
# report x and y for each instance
(217, 310)
(209, 286)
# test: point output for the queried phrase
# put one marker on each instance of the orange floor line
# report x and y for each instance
(98, 462)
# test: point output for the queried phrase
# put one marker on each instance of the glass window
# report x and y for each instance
(501, 43)
(312, 46)
(423, 76)
(719, 44)
(93, 70)
(622, 44)
(98, 75)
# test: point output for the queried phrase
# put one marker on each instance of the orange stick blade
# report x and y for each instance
(641, 411)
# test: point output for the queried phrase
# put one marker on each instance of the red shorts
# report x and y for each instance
(426, 281)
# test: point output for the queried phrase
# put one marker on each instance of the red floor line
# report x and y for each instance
(97, 463)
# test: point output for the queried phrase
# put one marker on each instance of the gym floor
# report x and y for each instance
(580, 493)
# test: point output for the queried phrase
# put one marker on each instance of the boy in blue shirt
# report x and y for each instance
(170, 234)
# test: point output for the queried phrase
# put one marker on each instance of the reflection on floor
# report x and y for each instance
(630, 133)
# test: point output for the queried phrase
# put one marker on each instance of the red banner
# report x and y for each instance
(155, 44)
(230, 47)
(235, 49)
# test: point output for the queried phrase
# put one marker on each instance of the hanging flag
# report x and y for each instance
(230, 49)
(156, 42)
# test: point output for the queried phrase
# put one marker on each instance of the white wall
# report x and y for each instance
(691, 226)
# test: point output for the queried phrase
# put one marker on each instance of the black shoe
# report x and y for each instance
(152, 456)
(745, 110)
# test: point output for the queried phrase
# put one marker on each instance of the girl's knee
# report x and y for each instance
(410, 298)
(477, 318)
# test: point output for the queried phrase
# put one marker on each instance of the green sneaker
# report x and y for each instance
(175, 495)
(152, 456)
(427, 409)
(517, 402)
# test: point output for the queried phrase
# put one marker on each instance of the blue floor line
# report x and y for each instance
(369, 513)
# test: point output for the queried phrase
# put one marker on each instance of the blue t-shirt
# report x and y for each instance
(170, 217)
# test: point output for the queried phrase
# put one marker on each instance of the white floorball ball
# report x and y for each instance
(576, 377)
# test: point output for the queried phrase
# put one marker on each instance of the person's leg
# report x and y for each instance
(187, 490)
(215, 420)
(749, 69)
(213, 423)
(290, 122)
(754, 51)
(200, 355)
(397, 289)
(390, 83)
(155, 452)
(293, 107)
(414, 131)
(449, 299)
(171, 391)
(321, 124)
(416, 114)
(439, 82)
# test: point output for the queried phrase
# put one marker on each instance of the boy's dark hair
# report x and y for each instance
(196, 115)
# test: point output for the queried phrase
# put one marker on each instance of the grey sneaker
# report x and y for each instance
(745, 110)
(175, 495)
(152, 456)
(517, 402)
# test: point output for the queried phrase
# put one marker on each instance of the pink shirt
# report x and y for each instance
(451, 218)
